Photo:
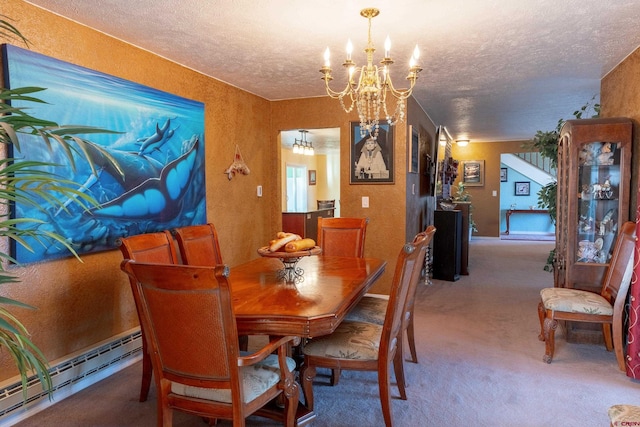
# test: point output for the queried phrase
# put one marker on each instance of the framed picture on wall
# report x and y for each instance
(473, 173)
(371, 159)
(503, 174)
(312, 177)
(522, 188)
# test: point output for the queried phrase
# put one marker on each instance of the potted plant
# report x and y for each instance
(28, 182)
(547, 144)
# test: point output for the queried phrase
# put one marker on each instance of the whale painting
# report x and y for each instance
(148, 171)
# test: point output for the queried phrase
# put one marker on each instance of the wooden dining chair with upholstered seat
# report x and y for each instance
(342, 236)
(366, 346)
(191, 330)
(372, 308)
(606, 308)
(198, 245)
(151, 247)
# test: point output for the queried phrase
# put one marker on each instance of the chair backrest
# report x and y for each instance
(406, 275)
(189, 323)
(411, 294)
(150, 247)
(617, 277)
(342, 236)
(199, 245)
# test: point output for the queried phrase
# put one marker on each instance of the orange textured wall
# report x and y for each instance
(80, 304)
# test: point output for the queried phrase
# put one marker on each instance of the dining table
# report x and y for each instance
(310, 304)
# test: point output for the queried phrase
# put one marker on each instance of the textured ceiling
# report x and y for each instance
(492, 69)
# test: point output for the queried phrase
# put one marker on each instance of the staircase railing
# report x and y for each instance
(537, 160)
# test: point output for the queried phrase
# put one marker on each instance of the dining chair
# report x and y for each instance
(198, 367)
(150, 247)
(198, 244)
(367, 346)
(606, 307)
(342, 236)
(372, 308)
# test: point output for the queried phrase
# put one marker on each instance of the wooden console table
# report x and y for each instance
(523, 211)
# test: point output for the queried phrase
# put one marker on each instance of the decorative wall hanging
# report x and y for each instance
(237, 166)
(473, 173)
(414, 150)
(371, 159)
(159, 148)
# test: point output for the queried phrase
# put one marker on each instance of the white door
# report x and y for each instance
(296, 188)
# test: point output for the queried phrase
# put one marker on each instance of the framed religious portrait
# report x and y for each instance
(473, 173)
(522, 188)
(371, 156)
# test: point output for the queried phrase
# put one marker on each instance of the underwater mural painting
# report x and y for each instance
(157, 143)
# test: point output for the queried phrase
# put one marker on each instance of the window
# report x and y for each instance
(296, 188)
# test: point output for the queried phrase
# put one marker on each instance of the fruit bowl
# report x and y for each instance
(291, 273)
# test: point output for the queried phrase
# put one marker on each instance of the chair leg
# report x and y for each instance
(147, 372)
(307, 374)
(608, 339)
(542, 314)
(550, 325)
(398, 367)
(385, 395)
(618, 345)
(292, 396)
(412, 339)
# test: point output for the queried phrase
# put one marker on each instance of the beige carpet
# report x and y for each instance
(480, 363)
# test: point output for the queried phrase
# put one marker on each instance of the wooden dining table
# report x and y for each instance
(314, 305)
(328, 287)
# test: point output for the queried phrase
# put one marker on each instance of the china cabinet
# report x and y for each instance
(594, 174)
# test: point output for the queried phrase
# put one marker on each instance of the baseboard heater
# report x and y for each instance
(69, 376)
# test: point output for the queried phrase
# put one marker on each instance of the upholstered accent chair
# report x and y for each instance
(192, 336)
(624, 415)
(150, 247)
(367, 346)
(606, 308)
(372, 308)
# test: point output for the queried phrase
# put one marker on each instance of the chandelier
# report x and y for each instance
(368, 86)
(301, 146)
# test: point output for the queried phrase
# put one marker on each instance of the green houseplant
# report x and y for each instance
(547, 144)
(28, 183)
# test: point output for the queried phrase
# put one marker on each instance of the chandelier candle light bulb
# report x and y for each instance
(369, 95)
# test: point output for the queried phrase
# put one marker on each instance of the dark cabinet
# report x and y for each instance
(447, 245)
(304, 223)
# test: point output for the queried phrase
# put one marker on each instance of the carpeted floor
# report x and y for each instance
(480, 364)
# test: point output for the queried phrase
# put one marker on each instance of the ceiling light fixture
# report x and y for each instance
(369, 92)
(462, 142)
(302, 146)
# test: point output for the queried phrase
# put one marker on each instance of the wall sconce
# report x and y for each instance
(462, 142)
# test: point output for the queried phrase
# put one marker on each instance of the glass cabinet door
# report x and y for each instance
(598, 194)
